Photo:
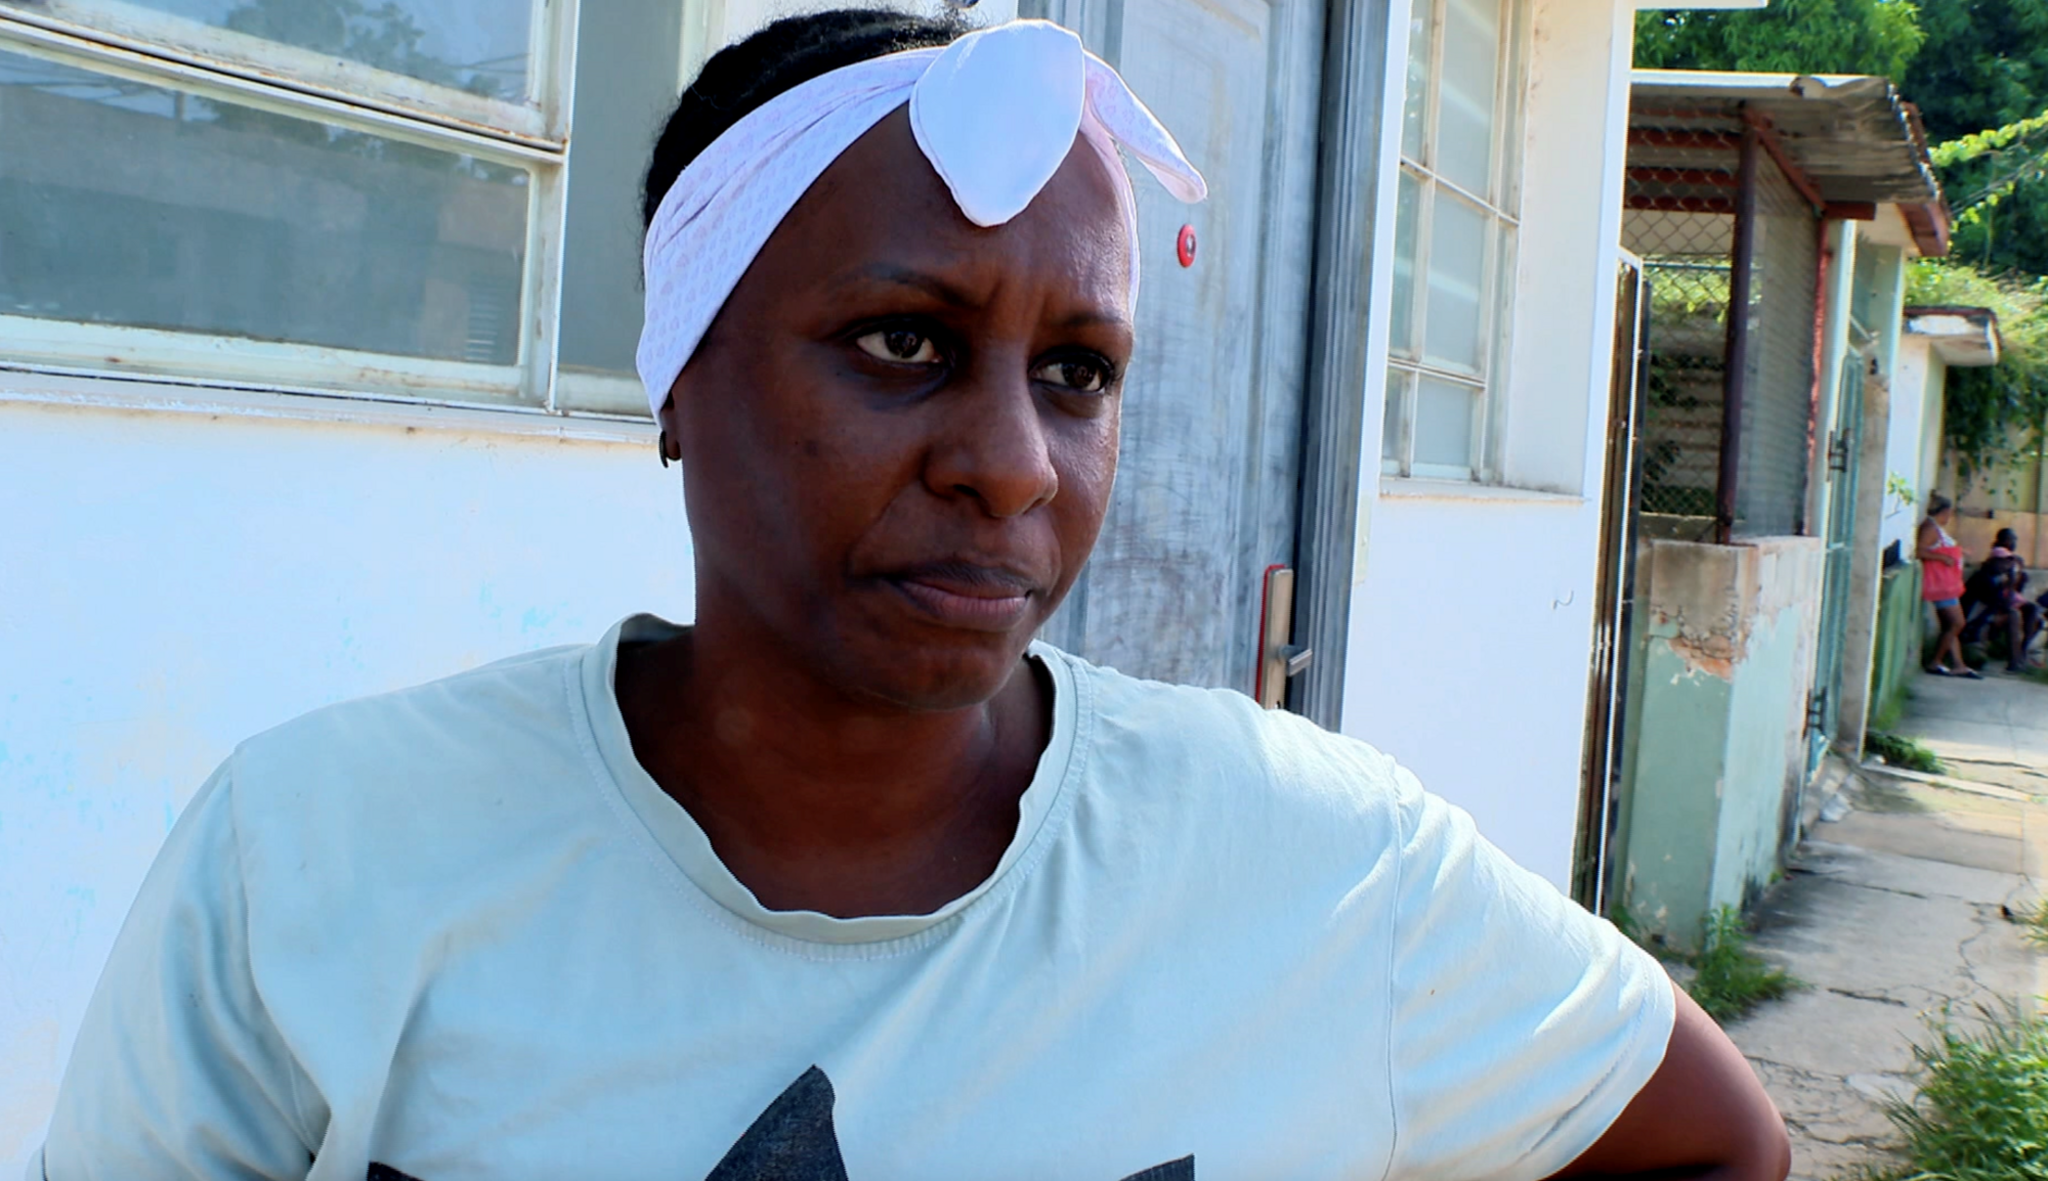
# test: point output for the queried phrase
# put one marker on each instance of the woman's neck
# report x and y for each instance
(818, 802)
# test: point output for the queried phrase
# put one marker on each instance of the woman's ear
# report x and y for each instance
(670, 450)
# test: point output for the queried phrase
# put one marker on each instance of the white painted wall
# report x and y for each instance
(171, 583)
(1477, 682)
(1917, 381)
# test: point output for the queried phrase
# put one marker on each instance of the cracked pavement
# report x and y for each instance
(1898, 909)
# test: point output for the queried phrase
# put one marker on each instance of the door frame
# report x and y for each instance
(1605, 750)
(1356, 40)
(1358, 43)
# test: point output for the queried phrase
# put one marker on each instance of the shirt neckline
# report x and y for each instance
(677, 834)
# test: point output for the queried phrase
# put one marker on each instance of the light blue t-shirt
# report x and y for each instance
(457, 933)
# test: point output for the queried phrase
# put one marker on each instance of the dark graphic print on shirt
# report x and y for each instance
(794, 1140)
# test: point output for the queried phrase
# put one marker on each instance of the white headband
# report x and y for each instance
(995, 112)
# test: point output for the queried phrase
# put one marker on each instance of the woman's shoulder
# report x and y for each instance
(448, 713)
(421, 763)
(1206, 745)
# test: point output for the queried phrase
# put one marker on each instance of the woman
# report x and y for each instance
(1941, 583)
(850, 879)
(1994, 596)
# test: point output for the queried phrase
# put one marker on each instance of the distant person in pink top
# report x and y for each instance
(1941, 583)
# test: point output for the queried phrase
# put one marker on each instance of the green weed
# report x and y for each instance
(1982, 1111)
(1899, 751)
(1730, 978)
(1892, 712)
(1624, 922)
(2033, 922)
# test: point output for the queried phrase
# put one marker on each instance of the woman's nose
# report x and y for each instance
(993, 445)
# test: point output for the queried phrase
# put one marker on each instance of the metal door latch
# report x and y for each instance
(1280, 659)
(1838, 450)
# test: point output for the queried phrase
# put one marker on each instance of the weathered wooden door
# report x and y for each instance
(1208, 492)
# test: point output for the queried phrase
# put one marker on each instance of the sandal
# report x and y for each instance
(1937, 670)
(1968, 674)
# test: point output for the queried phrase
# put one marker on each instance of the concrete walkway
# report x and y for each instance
(1897, 905)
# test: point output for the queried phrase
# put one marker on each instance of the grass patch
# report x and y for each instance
(1730, 978)
(1892, 712)
(1982, 1111)
(1896, 750)
(2032, 921)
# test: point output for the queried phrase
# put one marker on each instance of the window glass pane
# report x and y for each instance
(1421, 50)
(123, 203)
(1407, 225)
(1444, 412)
(1396, 414)
(1457, 272)
(631, 52)
(1466, 93)
(481, 46)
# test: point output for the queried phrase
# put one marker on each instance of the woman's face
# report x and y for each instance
(898, 437)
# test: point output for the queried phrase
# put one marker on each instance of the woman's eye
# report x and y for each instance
(905, 346)
(1080, 374)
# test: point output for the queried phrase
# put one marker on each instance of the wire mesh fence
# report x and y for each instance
(1777, 405)
(1681, 222)
(1684, 196)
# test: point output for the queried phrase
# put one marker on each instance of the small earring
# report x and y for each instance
(663, 445)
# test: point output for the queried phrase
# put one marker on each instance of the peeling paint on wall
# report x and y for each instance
(1717, 723)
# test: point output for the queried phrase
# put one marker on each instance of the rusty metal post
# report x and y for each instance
(1735, 379)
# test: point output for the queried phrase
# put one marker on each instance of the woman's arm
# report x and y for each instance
(1927, 541)
(1702, 1115)
(178, 1071)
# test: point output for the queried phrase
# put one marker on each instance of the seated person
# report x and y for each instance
(1993, 598)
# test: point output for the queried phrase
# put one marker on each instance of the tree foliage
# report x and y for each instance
(1991, 416)
(1978, 71)
(1789, 37)
(1981, 83)
(1983, 63)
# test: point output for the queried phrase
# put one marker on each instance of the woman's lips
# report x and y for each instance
(973, 598)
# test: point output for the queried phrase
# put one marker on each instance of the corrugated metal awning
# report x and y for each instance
(1853, 139)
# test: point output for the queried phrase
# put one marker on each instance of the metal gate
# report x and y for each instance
(1844, 442)
(1613, 640)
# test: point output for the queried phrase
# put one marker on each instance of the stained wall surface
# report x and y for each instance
(172, 583)
(1717, 725)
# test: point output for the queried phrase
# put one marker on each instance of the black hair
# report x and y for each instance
(784, 55)
(1938, 504)
(2007, 538)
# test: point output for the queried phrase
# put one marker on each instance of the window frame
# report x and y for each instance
(542, 120)
(534, 383)
(1500, 259)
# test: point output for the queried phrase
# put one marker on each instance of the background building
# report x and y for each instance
(316, 327)
(1775, 216)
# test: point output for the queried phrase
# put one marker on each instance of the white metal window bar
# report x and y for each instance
(128, 44)
(537, 114)
(1412, 444)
